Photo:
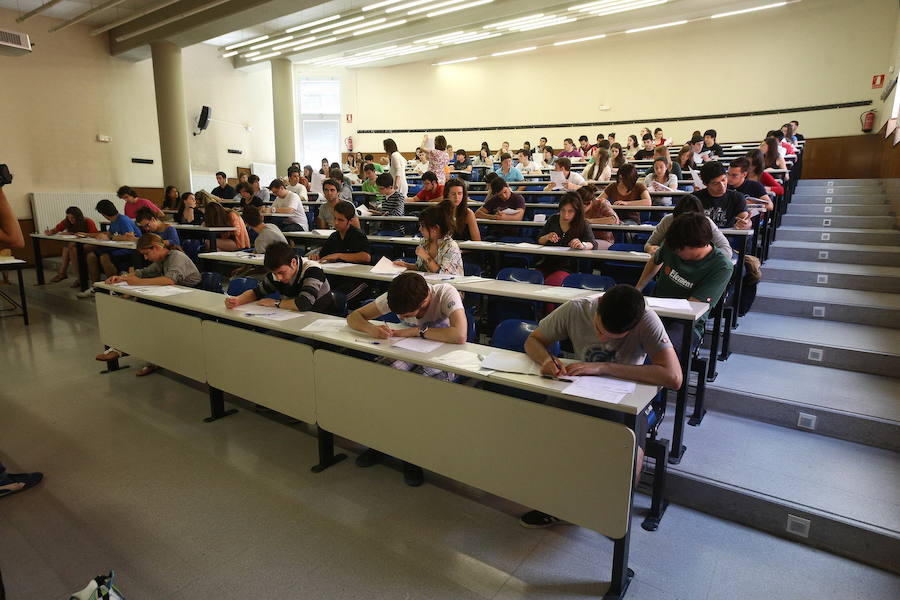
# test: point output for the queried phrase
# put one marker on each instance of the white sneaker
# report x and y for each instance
(88, 293)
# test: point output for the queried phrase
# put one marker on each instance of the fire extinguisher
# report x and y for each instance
(868, 121)
(349, 143)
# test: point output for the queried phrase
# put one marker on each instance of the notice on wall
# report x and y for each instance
(877, 81)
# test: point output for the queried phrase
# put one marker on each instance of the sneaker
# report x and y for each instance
(535, 519)
(88, 293)
(29, 479)
(413, 475)
(369, 458)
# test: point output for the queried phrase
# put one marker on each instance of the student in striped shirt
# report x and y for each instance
(393, 204)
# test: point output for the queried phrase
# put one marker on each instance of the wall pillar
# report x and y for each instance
(284, 113)
(171, 115)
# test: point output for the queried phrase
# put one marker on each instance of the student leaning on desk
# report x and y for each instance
(111, 260)
(611, 335)
(438, 252)
(430, 312)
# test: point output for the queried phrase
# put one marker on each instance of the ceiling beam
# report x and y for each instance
(37, 10)
(87, 14)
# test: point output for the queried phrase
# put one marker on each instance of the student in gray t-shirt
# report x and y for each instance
(611, 336)
(266, 233)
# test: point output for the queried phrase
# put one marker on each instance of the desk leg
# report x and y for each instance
(217, 406)
(621, 574)
(678, 448)
(726, 336)
(22, 296)
(327, 457)
(659, 450)
(113, 365)
(212, 242)
(738, 284)
(711, 372)
(38, 260)
(81, 257)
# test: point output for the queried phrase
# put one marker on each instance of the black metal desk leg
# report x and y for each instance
(738, 283)
(22, 296)
(621, 574)
(678, 448)
(212, 241)
(81, 257)
(217, 406)
(327, 457)
(658, 449)
(38, 260)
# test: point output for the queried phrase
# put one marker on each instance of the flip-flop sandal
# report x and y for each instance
(29, 479)
(147, 370)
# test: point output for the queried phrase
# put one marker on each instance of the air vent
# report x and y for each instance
(13, 43)
(798, 526)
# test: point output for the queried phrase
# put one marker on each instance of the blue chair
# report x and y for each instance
(516, 259)
(521, 275)
(386, 318)
(471, 332)
(210, 282)
(239, 285)
(471, 270)
(500, 309)
(253, 235)
(587, 281)
(622, 271)
(512, 333)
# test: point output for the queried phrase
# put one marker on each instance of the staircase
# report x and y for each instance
(802, 436)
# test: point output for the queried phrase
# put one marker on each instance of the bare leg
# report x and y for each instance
(226, 245)
(109, 267)
(67, 253)
(93, 265)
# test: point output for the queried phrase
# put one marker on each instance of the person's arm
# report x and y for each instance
(359, 319)
(137, 280)
(351, 257)
(456, 333)
(474, 232)
(483, 212)
(10, 231)
(548, 234)
(587, 239)
(649, 272)
(608, 215)
(313, 280)
(665, 370)
(245, 298)
(320, 222)
(719, 241)
(644, 200)
(659, 234)
(517, 216)
(536, 349)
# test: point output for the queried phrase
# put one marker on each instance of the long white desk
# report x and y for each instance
(576, 463)
(80, 243)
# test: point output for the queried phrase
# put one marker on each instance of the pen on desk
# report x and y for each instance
(367, 341)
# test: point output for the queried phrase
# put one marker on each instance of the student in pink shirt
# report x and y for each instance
(133, 204)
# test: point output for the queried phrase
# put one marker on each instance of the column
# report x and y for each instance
(283, 111)
(171, 115)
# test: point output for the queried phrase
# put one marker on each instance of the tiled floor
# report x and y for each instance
(181, 509)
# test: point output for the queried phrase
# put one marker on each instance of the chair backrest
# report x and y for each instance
(471, 270)
(588, 281)
(471, 333)
(390, 233)
(210, 282)
(512, 333)
(387, 318)
(521, 275)
(239, 285)
(627, 248)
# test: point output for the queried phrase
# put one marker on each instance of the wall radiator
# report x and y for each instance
(49, 208)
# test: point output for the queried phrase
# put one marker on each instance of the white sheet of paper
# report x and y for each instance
(540, 218)
(528, 245)
(557, 177)
(272, 314)
(325, 325)
(339, 265)
(438, 277)
(325, 232)
(510, 363)
(386, 266)
(65, 236)
(673, 303)
(599, 388)
(509, 211)
(418, 344)
(464, 360)
(153, 290)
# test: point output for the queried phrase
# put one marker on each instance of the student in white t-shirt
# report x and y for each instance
(294, 185)
(288, 203)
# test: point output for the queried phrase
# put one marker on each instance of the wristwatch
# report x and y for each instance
(278, 304)
(422, 332)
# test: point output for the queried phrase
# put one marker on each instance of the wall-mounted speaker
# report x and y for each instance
(203, 121)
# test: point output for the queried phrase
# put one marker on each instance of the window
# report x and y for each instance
(319, 102)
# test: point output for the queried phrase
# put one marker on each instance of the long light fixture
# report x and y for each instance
(672, 24)
(380, 4)
(453, 62)
(313, 24)
(432, 7)
(747, 10)
(338, 24)
(542, 24)
(265, 56)
(451, 9)
(602, 12)
(579, 40)
(268, 43)
(610, 7)
(380, 27)
(252, 54)
(476, 38)
(294, 43)
(357, 25)
(514, 22)
(405, 5)
(438, 38)
(297, 47)
(230, 54)
(517, 51)
(247, 42)
(37, 10)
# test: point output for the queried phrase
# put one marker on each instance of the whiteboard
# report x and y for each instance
(265, 171)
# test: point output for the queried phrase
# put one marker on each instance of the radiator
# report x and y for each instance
(49, 208)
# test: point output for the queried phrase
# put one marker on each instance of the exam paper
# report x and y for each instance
(509, 211)
(557, 177)
(325, 232)
(153, 290)
(338, 265)
(464, 360)
(599, 388)
(325, 325)
(540, 218)
(673, 303)
(528, 245)
(510, 363)
(418, 345)
(386, 266)
(438, 277)
(272, 314)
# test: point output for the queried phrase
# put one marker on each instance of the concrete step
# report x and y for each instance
(844, 210)
(759, 475)
(864, 183)
(856, 407)
(888, 256)
(836, 221)
(838, 235)
(848, 346)
(831, 304)
(834, 275)
(822, 198)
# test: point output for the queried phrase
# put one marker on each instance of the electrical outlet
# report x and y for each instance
(829, 200)
(826, 237)
(797, 526)
(819, 311)
(821, 278)
(103, 138)
(815, 354)
(806, 421)
(823, 254)
(826, 222)
(828, 209)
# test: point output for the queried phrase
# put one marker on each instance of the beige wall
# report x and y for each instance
(829, 59)
(55, 101)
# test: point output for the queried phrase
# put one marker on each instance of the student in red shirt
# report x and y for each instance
(133, 204)
(758, 173)
(75, 222)
(431, 191)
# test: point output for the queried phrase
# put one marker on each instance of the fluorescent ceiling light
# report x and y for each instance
(513, 22)
(453, 62)
(422, 9)
(265, 56)
(609, 7)
(672, 24)
(297, 48)
(541, 24)
(579, 40)
(359, 25)
(247, 43)
(380, 27)
(230, 54)
(476, 38)
(250, 54)
(294, 43)
(604, 11)
(451, 9)
(340, 24)
(380, 4)
(406, 5)
(529, 48)
(272, 42)
(313, 24)
(438, 37)
(747, 10)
